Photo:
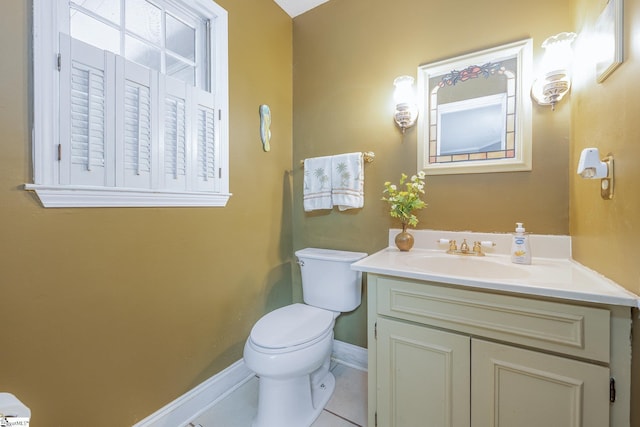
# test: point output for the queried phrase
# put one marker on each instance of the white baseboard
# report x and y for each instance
(350, 355)
(204, 396)
(199, 399)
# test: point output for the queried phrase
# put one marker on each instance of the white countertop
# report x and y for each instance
(555, 276)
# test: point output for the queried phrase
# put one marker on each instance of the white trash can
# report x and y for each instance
(13, 413)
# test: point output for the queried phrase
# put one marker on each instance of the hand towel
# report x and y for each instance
(317, 184)
(347, 181)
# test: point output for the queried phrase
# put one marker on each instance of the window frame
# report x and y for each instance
(45, 132)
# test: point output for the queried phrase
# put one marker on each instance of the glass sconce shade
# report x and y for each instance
(554, 80)
(406, 111)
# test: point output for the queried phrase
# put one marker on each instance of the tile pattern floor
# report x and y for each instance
(346, 408)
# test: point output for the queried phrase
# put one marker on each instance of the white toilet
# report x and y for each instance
(290, 348)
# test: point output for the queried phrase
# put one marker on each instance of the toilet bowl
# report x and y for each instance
(290, 348)
(292, 364)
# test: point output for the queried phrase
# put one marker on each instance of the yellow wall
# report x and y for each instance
(605, 234)
(122, 310)
(108, 314)
(346, 56)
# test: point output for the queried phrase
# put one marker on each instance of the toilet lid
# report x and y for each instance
(292, 325)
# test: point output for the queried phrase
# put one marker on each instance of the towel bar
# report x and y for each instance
(368, 157)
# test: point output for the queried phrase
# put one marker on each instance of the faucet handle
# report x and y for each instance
(453, 247)
(478, 245)
(487, 243)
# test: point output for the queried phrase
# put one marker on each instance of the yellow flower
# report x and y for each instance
(403, 203)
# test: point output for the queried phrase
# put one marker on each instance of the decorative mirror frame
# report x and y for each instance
(514, 152)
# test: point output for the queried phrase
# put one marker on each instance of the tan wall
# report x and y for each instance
(605, 234)
(109, 314)
(346, 55)
(129, 308)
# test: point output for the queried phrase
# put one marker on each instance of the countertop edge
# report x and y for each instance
(626, 298)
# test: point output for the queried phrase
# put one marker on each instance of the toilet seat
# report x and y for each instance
(296, 325)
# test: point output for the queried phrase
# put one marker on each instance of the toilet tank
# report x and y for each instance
(327, 278)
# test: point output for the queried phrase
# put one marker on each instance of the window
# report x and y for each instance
(130, 103)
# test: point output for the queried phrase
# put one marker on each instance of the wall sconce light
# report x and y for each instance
(406, 112)
(554, 79)
(591, 167)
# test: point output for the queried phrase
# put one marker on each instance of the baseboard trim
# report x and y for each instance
(202, 397)
(350, 355)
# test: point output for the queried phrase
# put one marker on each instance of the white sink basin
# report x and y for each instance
(467, 266)
(552, 272)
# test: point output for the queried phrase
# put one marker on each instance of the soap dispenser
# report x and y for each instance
(520, 249)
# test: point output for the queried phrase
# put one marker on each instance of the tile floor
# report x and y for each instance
(346, 408)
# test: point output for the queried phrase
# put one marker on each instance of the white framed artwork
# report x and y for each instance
(609, 39)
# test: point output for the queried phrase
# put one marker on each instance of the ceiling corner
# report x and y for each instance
(298, 7)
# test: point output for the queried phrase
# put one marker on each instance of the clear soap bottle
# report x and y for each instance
(520, 248)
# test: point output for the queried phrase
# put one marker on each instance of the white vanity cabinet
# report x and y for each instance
(422, 374)
(443, 355)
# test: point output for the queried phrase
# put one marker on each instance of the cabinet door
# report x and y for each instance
(514, 387)
(423, 376)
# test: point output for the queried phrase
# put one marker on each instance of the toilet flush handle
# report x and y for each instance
(301, 263)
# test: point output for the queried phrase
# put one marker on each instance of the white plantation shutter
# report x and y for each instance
(110, 132)
(207, 147)
(86, 120)
(136, 108)
(87, 117)
(175, 150)
(119, 135)
(137, 129)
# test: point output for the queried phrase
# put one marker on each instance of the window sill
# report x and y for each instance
(62, 196)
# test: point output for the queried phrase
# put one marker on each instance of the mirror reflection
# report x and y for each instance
(477, 125)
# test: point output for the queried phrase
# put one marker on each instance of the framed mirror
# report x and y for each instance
(475, 114)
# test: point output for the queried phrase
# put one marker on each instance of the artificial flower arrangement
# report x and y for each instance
(405, 198)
